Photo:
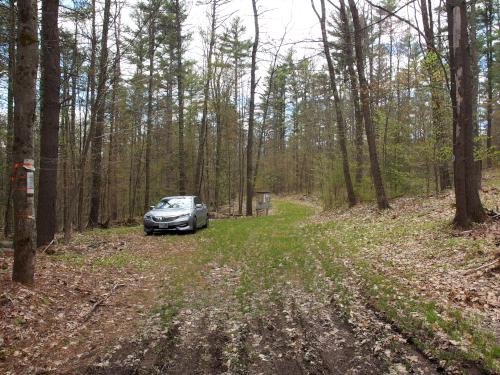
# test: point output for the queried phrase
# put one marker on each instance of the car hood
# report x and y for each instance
(169, 212)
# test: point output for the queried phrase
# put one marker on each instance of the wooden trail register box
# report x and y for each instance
(263, 202)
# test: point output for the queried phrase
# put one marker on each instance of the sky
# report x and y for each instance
(276, 16)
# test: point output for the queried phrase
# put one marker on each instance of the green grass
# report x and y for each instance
(123, 259)
(71, 258)
(269, 250)
(118, 260)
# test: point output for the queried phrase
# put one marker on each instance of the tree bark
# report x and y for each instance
(114, 141)
(351, 197)
(204, 119)
(169, 144)
(8, 218)
(263, 128)
(23, 145)
(69, 147)
(241, 171)
(251, 114)
(358, 115)
(65, 124)
(489, 16)
(365, 101)
(218, 151)
(437, 99)
(137, 105)
(149, 126)
(180, 92)
(100, 106)
(478, 168)
(87, 135)
(49, 123)
(468, 204)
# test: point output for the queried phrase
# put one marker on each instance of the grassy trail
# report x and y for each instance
(252, 297)
(244, 269)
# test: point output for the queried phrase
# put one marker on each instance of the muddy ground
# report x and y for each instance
(295, 336)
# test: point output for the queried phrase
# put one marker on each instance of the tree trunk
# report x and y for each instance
(23, 145)
(65, 125)
(8, 218)
(358, 115)
(437, 99)
(114, 131)
(136, 128)
(489, 16)
(475, 89)
(69, 147)
(180, 93)
(169, 144)
(241, 157)
(149, 126)
(204, 119)
(251, 114)
(49, 123)
(218, 151)
(468, 204)
(351, 197)
(100, 106)
(265, 113)
(87, 136)
(365, 101)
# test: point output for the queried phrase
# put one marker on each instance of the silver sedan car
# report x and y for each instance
(180, 213)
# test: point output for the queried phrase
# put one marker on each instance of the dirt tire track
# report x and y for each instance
(289, 342)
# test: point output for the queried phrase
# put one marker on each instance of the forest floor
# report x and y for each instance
(298, 292)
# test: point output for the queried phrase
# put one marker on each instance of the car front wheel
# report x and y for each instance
(194, 227)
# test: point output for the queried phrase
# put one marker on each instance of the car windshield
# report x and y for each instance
(175, 203)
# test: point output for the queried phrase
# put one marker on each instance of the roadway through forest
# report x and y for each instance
(250, 296)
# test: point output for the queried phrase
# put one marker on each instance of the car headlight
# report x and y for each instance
(148, 217)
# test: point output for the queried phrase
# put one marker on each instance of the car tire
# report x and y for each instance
(148, 232)
(195, 226)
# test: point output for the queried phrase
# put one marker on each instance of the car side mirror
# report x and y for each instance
(199, 205)
(151, 207)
